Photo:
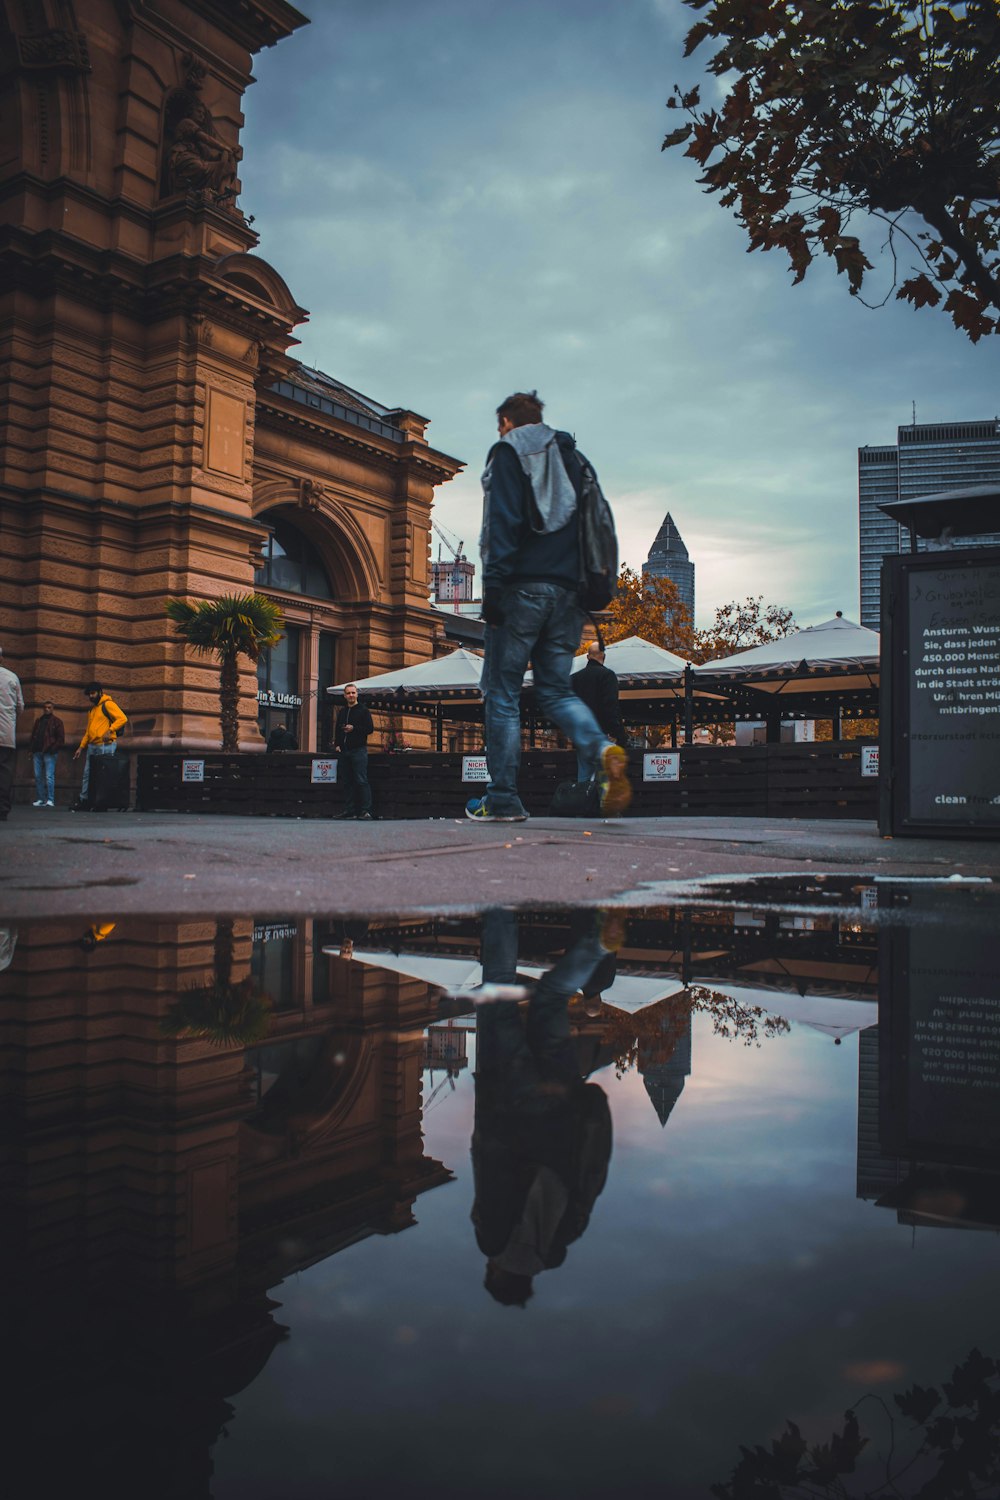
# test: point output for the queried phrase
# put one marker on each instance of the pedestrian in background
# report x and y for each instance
(104, 723)
(11, 703)
(350, 737)
(48, 736)
(597, 686)
(281, 738)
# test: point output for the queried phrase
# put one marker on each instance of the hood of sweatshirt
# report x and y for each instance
(538, 451)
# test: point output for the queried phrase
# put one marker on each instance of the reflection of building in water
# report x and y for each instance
(877, 1173)
(665, 1065)
(929, 1073)
(154, 1188)
(446, 1046)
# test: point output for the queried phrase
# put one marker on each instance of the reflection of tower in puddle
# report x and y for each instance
(155, 1187)
(665, 1061)
(929, 1073)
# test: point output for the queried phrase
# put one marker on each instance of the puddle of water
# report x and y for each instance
(297, 1207)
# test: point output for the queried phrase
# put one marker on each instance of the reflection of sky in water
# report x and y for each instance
(729, 1279)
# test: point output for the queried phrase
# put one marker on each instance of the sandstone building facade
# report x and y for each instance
(158, 436)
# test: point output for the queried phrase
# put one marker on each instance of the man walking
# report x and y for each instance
(11, 703)
(530, 546)
(597, 686)
(47, 738)
(104, 722)
(350, 737)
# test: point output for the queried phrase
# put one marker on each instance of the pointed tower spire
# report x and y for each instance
(668, 558)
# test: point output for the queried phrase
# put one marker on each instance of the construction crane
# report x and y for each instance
(456, 552)
(449, 1077)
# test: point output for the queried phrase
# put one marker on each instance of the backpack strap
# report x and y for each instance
(109, 716)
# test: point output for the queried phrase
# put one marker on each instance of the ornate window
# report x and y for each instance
(291, 563)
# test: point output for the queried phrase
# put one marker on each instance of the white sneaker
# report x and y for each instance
(39, 803)
(50, 804)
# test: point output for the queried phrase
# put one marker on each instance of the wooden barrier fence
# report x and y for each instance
(819, 780)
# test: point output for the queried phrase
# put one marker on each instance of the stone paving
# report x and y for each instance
(62, 864)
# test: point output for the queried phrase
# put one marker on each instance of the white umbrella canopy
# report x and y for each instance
(635, 992)
(837, 647)
(837, 656)
(832, 1015)
(634, 657)
(458, 672)
(445, 973)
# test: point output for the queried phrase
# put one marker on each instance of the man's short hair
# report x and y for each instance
(93, 687)
(521, 408)
(350, 684)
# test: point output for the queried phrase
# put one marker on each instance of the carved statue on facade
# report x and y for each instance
(311, 494)
(195, 157)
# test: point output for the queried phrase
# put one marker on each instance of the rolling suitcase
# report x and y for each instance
(110, 783)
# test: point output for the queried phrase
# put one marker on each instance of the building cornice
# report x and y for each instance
(253, 23)
(278, 412)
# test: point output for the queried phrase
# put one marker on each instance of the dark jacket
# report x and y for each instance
(597, 686)
(282, 739)
(353, 727)
(518, 552)
(47, 735)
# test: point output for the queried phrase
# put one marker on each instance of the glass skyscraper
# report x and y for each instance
(928, 457)
(668, 558)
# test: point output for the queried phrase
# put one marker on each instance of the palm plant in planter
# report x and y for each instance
(223, 1013)
(231, 626)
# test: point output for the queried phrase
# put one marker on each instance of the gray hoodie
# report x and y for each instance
(11, 703)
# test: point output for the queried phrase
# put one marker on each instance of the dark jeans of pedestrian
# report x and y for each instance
(542, 624)
(352, 773)
(7, 754)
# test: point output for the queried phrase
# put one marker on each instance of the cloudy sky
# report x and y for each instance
(470, 199)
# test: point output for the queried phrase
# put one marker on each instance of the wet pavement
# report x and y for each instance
(179, 864)
(456, 1197)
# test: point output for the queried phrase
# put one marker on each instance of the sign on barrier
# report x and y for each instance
(474, 768)
(660, 766)
(869, 760)
(323, 770)
(192, 770)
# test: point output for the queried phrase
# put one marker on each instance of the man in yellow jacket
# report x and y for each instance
(104, 722)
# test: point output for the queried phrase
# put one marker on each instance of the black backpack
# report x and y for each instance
(576, 799)
(598, 538)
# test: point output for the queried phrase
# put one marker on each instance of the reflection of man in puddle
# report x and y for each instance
(542, 1137)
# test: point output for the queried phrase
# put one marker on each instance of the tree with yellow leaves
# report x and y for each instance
(649, 607)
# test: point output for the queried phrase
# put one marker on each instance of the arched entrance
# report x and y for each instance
(305, 571)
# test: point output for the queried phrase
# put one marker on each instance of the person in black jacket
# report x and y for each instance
(48, 736)
(597, 686)
(530, 546)
(281, 738)
(350, 737)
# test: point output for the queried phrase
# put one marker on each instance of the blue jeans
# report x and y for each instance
(542, 624)
(93, 750)
(352, 772)
(515, 1043)
(45, 775)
